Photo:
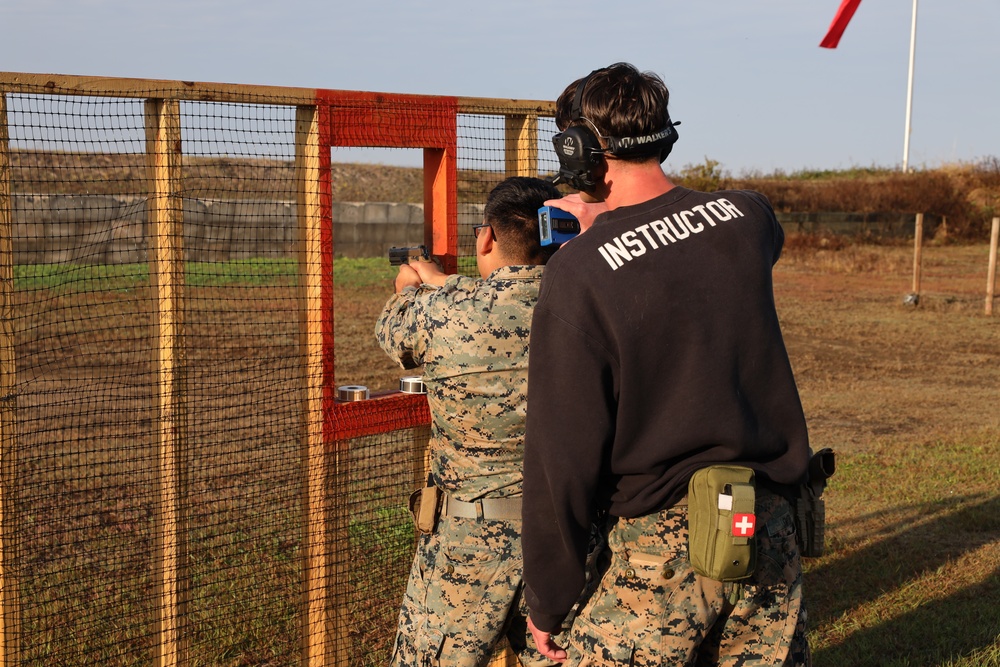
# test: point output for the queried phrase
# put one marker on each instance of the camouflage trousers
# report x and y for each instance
(464, 594)
(651, 608)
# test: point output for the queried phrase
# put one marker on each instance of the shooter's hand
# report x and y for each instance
(407, 277)
(430, 273)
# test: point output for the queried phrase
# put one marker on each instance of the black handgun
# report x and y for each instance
(399, 256)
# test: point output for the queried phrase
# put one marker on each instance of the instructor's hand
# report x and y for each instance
(584, 211)
(547, 647)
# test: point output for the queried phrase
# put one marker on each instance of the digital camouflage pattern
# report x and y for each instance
(463, 596)
(651, 608)
(464, 593)
(472, 338)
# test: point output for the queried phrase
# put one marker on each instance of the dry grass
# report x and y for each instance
(966, 196)
(880, 367)
(209, 177)
(226, 178)
(907, 396)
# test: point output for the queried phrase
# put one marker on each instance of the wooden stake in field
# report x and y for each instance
(991, 274)
(913, 298)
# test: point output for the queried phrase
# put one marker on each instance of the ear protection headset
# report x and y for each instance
(579, 149)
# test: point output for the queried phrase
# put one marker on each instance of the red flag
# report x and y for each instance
(839, 24)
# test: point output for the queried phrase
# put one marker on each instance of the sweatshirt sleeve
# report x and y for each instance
(777, 233)
(570, 423)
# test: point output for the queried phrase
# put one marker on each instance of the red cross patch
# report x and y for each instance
(744, 524)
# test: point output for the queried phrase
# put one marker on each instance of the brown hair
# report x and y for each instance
(619, 100)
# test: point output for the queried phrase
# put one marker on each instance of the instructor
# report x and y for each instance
(656, 352)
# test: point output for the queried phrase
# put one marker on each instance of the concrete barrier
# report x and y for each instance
(102, 229)
(899, 225)
(53, 229)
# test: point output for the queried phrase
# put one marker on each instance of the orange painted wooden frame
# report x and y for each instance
(395, 121)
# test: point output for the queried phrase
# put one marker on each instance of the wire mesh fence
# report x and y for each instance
(179, 482)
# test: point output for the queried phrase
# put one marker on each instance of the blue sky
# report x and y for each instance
(748, 81)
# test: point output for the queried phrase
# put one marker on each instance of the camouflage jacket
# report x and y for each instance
(471, 336)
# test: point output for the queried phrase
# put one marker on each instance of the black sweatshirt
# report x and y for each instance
(655, 351)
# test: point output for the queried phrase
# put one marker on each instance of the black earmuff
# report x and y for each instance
(579, 154)
(579, 150)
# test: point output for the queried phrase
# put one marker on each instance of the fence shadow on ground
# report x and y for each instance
(933, 629)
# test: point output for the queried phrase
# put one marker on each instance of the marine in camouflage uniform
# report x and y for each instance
(471, 337)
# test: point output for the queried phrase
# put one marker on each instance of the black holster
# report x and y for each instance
(810, 508)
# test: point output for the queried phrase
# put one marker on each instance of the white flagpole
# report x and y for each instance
(909, 91)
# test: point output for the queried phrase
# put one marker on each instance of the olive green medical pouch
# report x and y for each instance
(721, 522)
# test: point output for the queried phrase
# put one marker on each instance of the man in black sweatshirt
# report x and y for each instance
(656, 352)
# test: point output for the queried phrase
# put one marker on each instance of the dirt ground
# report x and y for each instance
(868, 365)
(870, 368)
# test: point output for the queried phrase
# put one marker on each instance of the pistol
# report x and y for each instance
(399, 256)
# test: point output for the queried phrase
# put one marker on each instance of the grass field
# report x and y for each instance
(910, 400)
(908, 397)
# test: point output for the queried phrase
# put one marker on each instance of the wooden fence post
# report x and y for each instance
(166, 276)
(317, 645)
(521, 145)
(521, 159)
(10, 602)
(918, 245)
(991, 273)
